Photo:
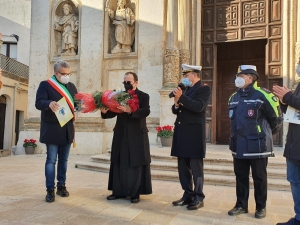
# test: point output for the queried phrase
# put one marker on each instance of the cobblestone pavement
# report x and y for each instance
(22, 194)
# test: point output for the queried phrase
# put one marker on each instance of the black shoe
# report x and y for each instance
(62, 191)
(114, 197)
(196, 204)
(291, 221)
(237, 211)
(50, 197)
(135, 199)
(182, 202)
(260, 213)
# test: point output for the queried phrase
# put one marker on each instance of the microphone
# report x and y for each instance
(182, 87)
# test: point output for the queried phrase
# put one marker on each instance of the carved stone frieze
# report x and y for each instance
(171, 68)
(184, 58)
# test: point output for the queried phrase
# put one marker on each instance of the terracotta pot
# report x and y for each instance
(29, 150)
(166, 142)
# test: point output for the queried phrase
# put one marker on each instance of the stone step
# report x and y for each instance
(212, 179)
(210, 167)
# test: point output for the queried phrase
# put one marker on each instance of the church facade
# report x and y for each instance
(104, 39)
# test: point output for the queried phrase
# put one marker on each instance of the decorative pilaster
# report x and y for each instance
(171, 68)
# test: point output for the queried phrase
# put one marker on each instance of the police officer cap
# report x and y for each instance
(247, 69)
(189, 68)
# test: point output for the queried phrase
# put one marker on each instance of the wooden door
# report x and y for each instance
(230, 56)
(225, 21)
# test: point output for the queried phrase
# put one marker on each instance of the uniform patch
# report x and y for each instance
(274, 98)
(250, 112)
(266, 90)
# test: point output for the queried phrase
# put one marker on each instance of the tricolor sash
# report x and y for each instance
(61, 89)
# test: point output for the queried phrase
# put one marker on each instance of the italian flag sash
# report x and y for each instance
(61, 89)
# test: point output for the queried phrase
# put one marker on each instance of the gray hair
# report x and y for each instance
(59, 64)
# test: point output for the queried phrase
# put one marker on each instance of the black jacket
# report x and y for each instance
(255, 115)
(51, 132)
(134, 127)
(189, 139)
(292, 146)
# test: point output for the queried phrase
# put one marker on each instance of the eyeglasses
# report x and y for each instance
(65, 74)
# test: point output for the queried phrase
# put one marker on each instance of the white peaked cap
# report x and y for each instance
(189, 68)
(246, 67)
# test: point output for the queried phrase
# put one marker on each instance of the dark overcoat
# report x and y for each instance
(189, 132)
(51, 132)
(134, 126)
(292, 149)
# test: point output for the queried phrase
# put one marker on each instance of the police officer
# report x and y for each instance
(255, 115)
(189, 135)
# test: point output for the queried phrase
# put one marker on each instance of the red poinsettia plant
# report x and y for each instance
(29, 143)
(165, 131)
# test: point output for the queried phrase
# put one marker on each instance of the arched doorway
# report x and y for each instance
(238, 32)
(2, 119)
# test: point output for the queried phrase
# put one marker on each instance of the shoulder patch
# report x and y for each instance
(266, 90)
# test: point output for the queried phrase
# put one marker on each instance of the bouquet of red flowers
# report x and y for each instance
(108, 99)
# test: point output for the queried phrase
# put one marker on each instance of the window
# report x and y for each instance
(10, 50)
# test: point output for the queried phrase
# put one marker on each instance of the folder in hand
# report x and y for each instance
(64, 114)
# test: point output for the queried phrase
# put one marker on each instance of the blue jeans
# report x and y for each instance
(62, 151)
(293, 176)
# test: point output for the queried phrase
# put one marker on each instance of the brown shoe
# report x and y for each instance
(62, 191)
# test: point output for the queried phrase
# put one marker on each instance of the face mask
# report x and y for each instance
(298, 70)
(240, 82)
(128, 85)
(186, 82)
(65, 79)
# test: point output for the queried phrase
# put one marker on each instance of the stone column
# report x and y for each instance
(171, 63)
(183, 33)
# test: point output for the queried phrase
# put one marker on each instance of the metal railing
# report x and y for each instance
(13, 66)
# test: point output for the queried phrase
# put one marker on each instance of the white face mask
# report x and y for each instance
(298, 70)
(240, 82)
(65, 79)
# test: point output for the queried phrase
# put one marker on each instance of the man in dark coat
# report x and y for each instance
(129, 173)
(57, 139)
(254, 116)
(189, 135)
(291, 150)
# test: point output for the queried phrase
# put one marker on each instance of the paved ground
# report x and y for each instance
(22, 194)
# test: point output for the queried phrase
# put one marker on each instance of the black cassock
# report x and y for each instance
(129, 173)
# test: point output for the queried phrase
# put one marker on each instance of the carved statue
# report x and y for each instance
(68, 26)
(123, 18)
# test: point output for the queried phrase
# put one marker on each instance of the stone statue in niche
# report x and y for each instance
(123, 18)
(68, 26)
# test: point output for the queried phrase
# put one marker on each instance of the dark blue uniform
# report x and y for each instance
(255, 115)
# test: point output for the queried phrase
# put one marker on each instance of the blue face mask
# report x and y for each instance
(186, 82)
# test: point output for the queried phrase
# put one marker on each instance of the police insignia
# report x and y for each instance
(266, 90)
(250, 112)
(230, 113)
(274, 98)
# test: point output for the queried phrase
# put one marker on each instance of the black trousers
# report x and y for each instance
(190, 170)
(259, 175)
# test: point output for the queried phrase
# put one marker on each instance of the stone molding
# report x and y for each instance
(171, 68)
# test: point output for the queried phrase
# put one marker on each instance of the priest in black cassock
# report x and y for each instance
(129, 173)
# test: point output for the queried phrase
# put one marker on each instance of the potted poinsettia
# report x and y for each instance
(29, 145)
(166, 135)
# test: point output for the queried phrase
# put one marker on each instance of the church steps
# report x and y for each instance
(217, 178)
(210, 166)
